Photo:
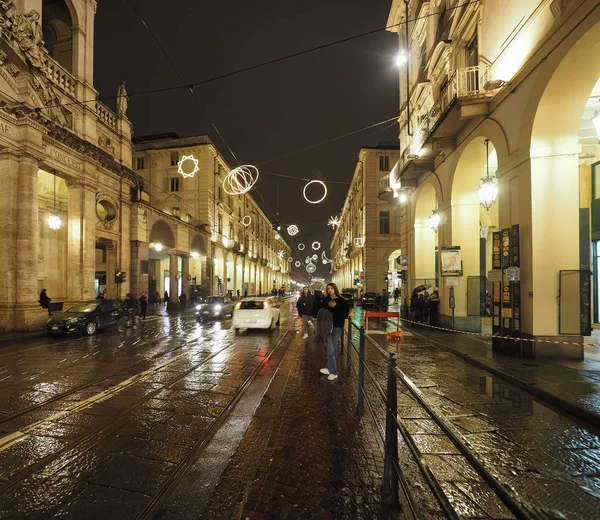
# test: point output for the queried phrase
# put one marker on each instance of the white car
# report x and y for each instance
(255, 313)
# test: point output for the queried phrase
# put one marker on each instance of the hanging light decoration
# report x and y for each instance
(333, 222)
(488, 189)
(246, 221)
(315, 257)
(194, 166)
(319, 200)
(158, 247)
(292, 230)
(324, 258)
(301, 246)
(240, 180)
(281, 255)
(298, 263)
(434, 220)
(316, 245)
(54, 221)
(311, 268)
(277, 236)
(290, 259)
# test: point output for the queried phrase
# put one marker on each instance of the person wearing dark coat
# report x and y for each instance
(335, 303)
(305, 305)
(318, 296)
(44, 300)
(143, 305)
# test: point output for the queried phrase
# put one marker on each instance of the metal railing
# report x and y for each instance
(357, 341)
(384, 183)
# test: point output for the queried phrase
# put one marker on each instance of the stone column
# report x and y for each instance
(81, 242)
(28, 313)
(139, 281)
(9, 169)
(173, 270)
(111, 268)
(185, 272)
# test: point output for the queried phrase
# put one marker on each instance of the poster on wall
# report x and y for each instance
(451, 262)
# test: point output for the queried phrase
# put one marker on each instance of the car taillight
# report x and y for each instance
(265, 305)
(238, 305)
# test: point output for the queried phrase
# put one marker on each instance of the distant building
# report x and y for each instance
(367, 241)
(191, 226)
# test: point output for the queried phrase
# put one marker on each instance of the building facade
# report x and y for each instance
(215, 242)
(366, 241)
(503, 95)
(58, 158)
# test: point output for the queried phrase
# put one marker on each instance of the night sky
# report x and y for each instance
(272, 110)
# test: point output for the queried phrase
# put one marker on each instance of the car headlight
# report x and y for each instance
(71, 321)
(198, 307)
(218, 308)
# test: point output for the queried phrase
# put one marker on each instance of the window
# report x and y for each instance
(219, 193)
(139, 163)
(473, 52)
(220, 225)
(384, 222)
(384, 163)
(174, 158)
(175, 186)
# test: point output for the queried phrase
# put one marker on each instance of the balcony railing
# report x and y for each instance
(106, 116)
(384, 183)
(60, 76)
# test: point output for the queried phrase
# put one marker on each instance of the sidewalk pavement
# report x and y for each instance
(573, 386)
(305, 453)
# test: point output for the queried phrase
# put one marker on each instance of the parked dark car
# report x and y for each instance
(87, 317)
(349, 298)
(214, 307)
(368, 300)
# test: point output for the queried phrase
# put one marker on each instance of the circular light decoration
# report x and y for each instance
(308, 260)
(290, 259)
(293, 230)
(194, 166)
(324, 259)
(315, 257)
(333, 222)
(298, 264)
(301, 247)
(240, 180)
(277, 236)
(311, 268)
(246, 221)
(324, 192)
(316, 246)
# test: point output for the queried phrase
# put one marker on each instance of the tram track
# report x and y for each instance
(96, 436)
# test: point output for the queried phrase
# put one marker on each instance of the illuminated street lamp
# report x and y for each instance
(195, 255)
(488, 189)
(158, 247)
(401, 58)
(434, 220)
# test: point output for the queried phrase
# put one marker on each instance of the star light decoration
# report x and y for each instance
(195, 168)
(281, 255)
(316, 245)
(334, 222)
(293, 230)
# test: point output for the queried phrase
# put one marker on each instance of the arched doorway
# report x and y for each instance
(160, 239)
(559, 198)
(57, 27)
(198, 266)
(219, 271)
(230, 274)
(471, 231)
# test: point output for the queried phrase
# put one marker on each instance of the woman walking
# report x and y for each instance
(305, 309)
(334, 303)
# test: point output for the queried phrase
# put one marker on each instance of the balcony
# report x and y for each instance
(59, 76)
(465, 96)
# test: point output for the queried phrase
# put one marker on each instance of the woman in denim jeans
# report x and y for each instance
(338, 306)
